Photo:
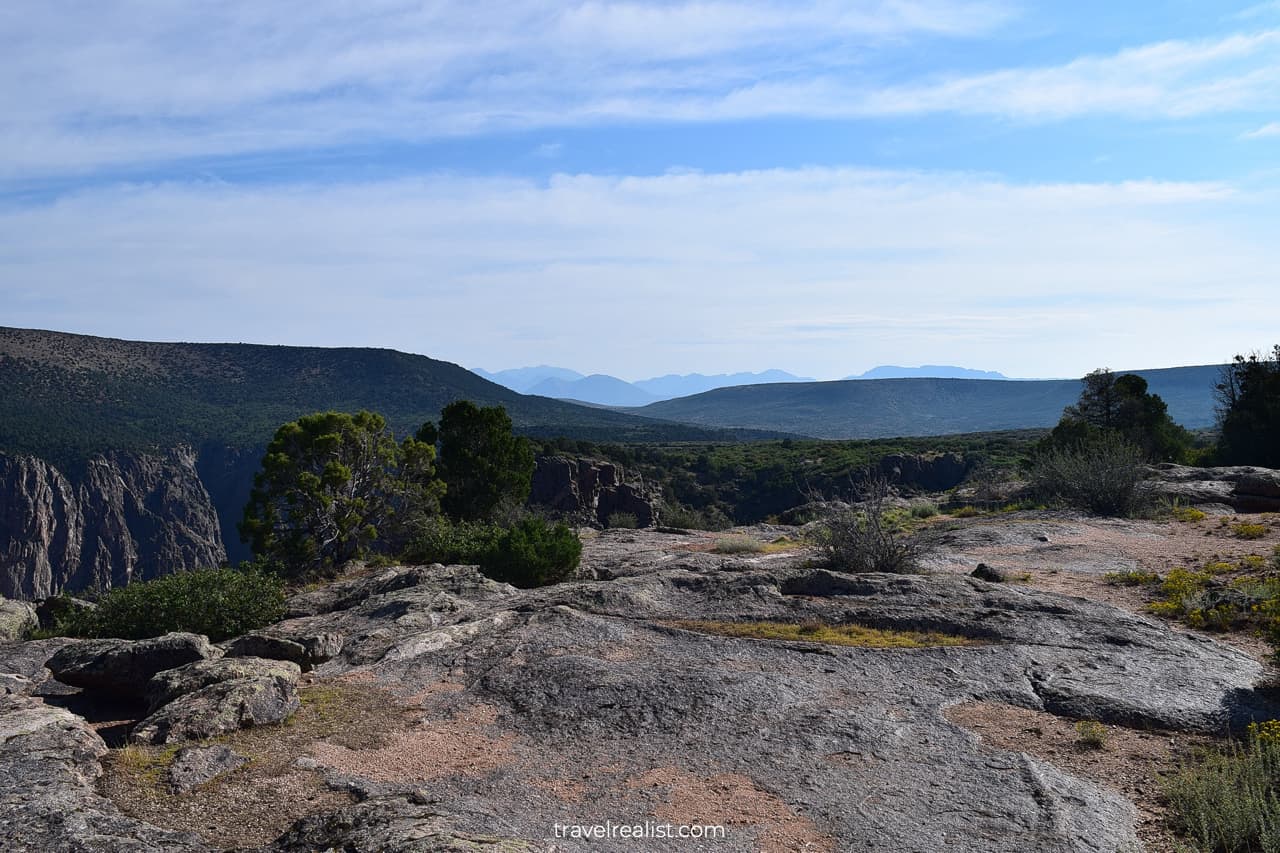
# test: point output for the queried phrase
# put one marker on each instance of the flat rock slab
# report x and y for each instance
(219, 709)
(49, 761)
(124, 667)
(167, 686)
(595, 695)
(197, 765)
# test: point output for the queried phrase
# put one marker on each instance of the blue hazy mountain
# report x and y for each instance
(596, 388)
(673, 385)
(523, 378)
(927, 371)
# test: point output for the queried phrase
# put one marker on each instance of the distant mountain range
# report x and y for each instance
(881, 408)
(927, 371)
(604, 390)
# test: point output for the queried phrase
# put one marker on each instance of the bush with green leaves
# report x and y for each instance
(533, 553)
(1103, 474)
(439, 540)
(622, 521)
(1229, 799)
(483, 464)
(219, 603)
(711, 518)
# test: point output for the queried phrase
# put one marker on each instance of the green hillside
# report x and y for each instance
(880, 408)
(65, 397)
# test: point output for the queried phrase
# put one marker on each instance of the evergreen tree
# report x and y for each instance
(1121, 405)
(483, 464)
(1249, 411)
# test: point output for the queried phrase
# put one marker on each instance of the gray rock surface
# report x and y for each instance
(17, 618)
(1244, 488)
(22, 665)
(130, 515)
(392, 825)
(220, 708)
(305, 649)
(124, 667)
(168, 685)
(49, 761)
(597, 671)
(196, 765)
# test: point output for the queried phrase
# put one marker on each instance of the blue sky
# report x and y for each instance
(646, 188)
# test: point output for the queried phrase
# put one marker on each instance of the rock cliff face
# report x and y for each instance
(590, 488)
(128, 515)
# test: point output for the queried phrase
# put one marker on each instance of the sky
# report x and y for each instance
(642, 188)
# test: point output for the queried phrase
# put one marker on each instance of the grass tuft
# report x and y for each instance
(820, 632)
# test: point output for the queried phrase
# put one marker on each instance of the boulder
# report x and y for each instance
(987, 573)
(1244, 488)
(306, 650)
(220, 709)
(125, 667)
(22, 665)
(49, 763)
(169, 685)
(196, 765)
(17, 619)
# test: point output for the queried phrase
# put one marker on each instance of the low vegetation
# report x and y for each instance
(1103, 474)
(1091, 734)
(532, 553)
(219, 603)
(1131, 577)
(820, 632)
(1228, 800)
(1248, 531)
(738, 545)
(872, 538)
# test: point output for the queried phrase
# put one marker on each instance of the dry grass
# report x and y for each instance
(253, 805)
(819, 632)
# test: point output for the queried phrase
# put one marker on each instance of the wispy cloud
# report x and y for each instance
(817, 270)
(1264, 132)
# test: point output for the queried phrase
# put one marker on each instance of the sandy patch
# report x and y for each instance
(730, 800)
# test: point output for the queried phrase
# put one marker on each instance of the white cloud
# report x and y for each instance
(1264, 132)
(819, 271)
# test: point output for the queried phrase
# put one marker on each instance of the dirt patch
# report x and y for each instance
(730, 800)
(432, 751)
(1130, 761)
(253, 805)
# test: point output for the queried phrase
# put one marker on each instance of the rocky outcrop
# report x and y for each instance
(128, 515)
(219, 709)
(1244, 488)
(124, 668)
(930, 472)
(591, 489)
(196, 765)
(49, 762)
(167, 686)
(16, 619)
(305, 651)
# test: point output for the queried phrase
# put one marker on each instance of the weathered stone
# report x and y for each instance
(22, 665)
(986, 573)
(17, 619)
(1244, 488)
(931, 472)
(48, 766)
(129, 516)
(196, 765)
(590, 489)
(392, 824)
(172, 683)
(262, 645)
(220, 709)
(125, 667)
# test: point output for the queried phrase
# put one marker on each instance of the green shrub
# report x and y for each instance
(533, 553)
(438, 540)
(711, 518)
(1091, 734)
(967, 511)
(1248, 531)
(925, 510)
(1229, 799)
(219, 603)
(622, 520)
(1103, 474)
(738, 545)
